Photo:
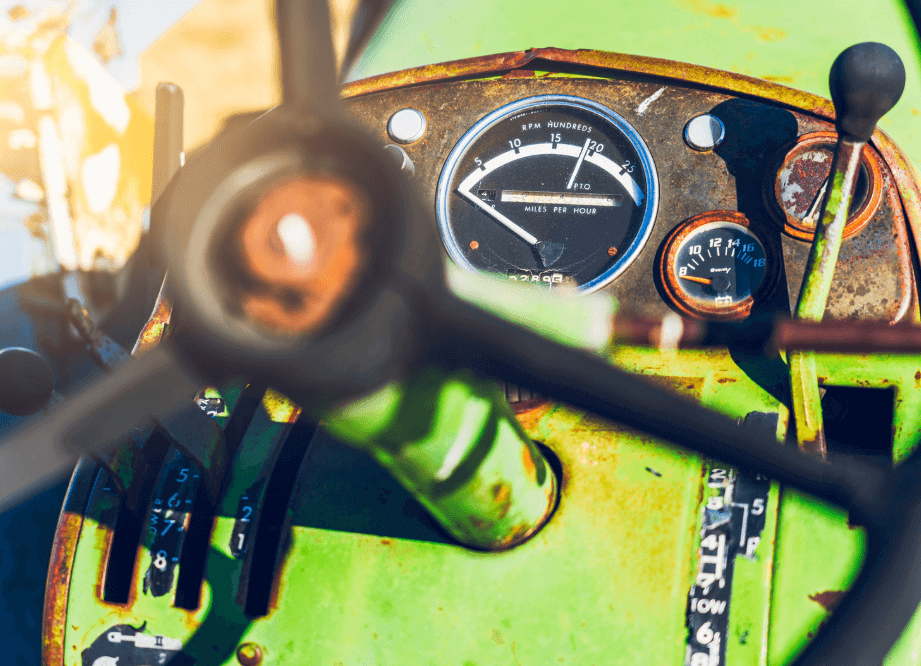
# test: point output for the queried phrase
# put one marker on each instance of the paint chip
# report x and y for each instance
(644, 105)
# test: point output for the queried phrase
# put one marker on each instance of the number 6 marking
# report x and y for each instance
(705, 634)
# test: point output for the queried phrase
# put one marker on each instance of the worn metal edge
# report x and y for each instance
(63, 551)
(906, 180)
(618, 62)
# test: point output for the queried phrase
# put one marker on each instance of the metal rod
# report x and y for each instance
(308, 64)
(820, 270)
(853, 337)
(168, 136)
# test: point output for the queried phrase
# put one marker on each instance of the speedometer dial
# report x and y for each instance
(553, 190)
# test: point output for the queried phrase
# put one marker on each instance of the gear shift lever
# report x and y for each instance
(865, 81)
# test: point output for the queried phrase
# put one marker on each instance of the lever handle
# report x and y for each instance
(866, 80)
(26, 381)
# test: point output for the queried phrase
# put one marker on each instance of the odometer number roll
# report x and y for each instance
(554, 190)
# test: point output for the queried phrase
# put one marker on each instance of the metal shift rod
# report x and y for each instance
(865, 81)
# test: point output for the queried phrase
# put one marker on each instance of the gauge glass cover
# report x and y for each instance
(720, 263)
(554, 190)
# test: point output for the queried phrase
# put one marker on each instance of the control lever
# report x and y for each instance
(865, 81)
(26, 381)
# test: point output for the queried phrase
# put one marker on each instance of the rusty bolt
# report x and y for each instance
(302, 244)
(249, 654)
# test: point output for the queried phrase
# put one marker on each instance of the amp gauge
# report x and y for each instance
(715, 266)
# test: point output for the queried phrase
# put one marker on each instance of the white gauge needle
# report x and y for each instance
(548, 252)
(810, 218)
(579, 161)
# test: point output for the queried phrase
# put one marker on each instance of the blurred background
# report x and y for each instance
(77, 85)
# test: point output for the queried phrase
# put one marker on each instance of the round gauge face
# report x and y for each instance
(795, 186)
(714, 266)
(554, 190)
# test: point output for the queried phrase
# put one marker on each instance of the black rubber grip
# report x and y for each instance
(865, 81)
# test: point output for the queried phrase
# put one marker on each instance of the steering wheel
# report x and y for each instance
(386, 310)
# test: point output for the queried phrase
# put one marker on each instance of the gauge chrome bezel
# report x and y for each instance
(442, 197)
(688, 305)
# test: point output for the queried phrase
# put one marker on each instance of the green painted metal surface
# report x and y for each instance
(792, 44)
(605, 582)
(816, 556)
(451, 440)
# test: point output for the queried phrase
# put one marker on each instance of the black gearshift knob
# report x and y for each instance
(866, 80)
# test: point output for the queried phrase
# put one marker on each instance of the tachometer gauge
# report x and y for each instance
(554, 190)
(715, 266)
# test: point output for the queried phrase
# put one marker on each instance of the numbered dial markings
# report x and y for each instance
(715, 266)
(554, 190)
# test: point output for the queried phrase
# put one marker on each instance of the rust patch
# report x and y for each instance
(57, 588)
(523, 406)
(520, 74)
(725, 380)
(797, 175)
(306, 269)
(502, 495)
(769, 34)
(828, 599)
(716, 10)
(279, 408)
(491, 65)
(530, 415)
(686, 386)
(156, 326)
(527, 458)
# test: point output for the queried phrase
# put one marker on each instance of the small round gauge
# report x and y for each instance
(795, 185)
(554, 190)
(715, 266)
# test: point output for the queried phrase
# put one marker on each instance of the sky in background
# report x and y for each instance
(139, 24)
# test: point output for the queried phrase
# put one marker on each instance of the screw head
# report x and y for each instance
(704, 132)
(249, 654)
(406, 126)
